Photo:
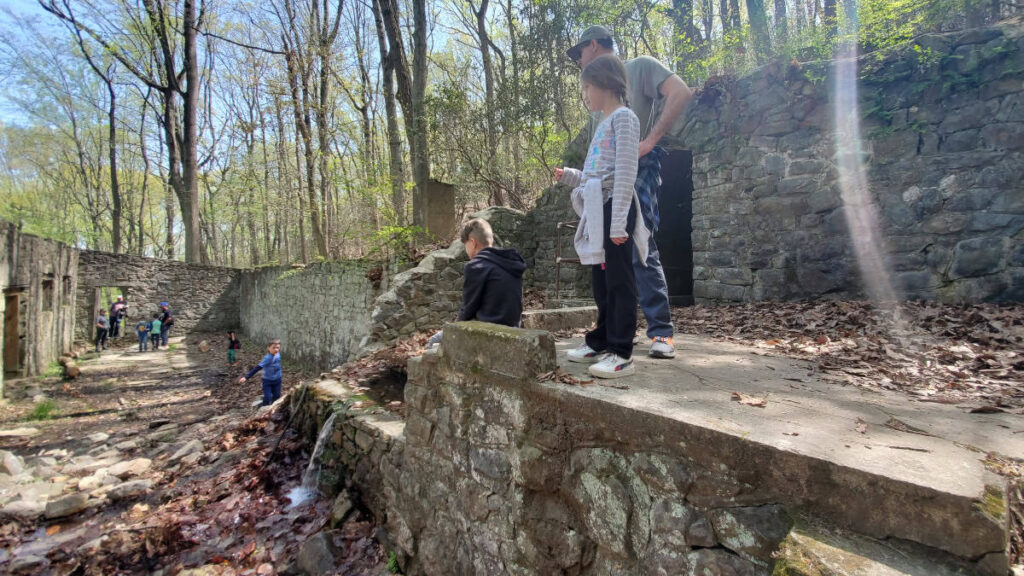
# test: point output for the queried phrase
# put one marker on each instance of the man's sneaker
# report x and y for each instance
(584, 354)
(612, 366)
(662, 347)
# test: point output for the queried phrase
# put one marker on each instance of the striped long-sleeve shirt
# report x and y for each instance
(612, 158)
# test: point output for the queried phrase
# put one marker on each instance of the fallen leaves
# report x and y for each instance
(861, 426)
(933, 352)
(563, 377)
(749, 400)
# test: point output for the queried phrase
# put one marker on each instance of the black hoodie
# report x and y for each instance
(493, 287)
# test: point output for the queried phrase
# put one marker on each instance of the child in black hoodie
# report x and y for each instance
(492, 290)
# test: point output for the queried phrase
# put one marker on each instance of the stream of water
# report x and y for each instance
(311, 477)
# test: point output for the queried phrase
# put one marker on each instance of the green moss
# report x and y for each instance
(789, 561)
(993, 503)
(54, 370)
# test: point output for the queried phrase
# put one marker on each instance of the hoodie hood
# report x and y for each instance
(508, 259)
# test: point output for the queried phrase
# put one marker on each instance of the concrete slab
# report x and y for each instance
(823, 423)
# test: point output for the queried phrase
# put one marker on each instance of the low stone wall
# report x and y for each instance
(943, 159)
(202, 298)
(429, 295)
(40, 275)
(321, 312)
(493, 472)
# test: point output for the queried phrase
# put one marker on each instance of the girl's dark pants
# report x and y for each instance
(155, 339)
(615, 292)
(271, 391)
(101, 338)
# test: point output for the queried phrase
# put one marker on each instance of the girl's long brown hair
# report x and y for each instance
(607, 73)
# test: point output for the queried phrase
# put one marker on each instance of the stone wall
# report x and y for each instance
(321, 312)
(429, 295)
(41, 275)
(539, 235)
(493, 472)
(202, 298)
(943, 151)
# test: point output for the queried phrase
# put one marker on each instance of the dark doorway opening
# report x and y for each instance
(673, 235)
(103, 299)
(12, 340)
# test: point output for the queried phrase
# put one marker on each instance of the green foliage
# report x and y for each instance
(393, 567)
(43, 410)
(54, 370)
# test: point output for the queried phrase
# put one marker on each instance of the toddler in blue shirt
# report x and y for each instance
(271, 366)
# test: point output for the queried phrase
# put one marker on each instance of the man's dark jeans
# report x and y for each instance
(164, 330)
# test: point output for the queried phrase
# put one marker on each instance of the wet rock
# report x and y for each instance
(66, 506)
(129, 489)
(130, 468)
(27, 564)
(24, 510)
(11, 463)
(316, 556)
(340, 509)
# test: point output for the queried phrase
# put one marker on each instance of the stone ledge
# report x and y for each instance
(560, 319)
(480, 348)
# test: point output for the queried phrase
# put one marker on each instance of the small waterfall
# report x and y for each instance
(311, 477)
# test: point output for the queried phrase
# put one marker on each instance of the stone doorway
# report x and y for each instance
(103, 298)
(673, 235)
(12, 341)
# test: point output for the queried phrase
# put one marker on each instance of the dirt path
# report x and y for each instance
(153, 462)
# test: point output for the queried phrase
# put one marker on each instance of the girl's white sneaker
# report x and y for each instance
(612, 366)
(584, 354)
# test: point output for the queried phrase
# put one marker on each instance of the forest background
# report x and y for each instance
(242, 133)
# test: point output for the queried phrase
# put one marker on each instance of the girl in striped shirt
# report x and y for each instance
(610, 226)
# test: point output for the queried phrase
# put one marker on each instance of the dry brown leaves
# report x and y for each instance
(749, 400)
(968, 355)
(563, 377)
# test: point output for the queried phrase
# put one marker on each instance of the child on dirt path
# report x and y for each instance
(271, 366)
(142, 330)
(102, 327)
(234, 344)
(154, 331)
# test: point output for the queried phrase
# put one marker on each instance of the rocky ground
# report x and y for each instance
(159, 463)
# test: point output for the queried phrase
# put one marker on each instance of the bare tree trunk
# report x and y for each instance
(485, 57)
(781, 25)
(396, 168)
(421, 162)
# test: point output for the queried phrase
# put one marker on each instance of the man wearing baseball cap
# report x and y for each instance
(658, 97)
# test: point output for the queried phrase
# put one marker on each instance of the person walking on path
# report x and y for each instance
(102, 327)
(142, 330)
(658, 97)
(155, 328)
(610, 227)
(166, 321)
(117, 314)
(234, 345)
(272, 374)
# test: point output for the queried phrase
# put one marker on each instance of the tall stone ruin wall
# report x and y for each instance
(40, 274)
(202, 298)
(943, 150)
(321, 312)
(942, 122)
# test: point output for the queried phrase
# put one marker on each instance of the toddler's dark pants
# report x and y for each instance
(271, 391)
(143, 341)
(615, 292)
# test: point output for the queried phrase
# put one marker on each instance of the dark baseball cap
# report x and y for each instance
(591, 33)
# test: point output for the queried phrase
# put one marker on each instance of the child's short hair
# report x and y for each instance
(479, 230)
(274, 341)
(156, 315)
(607, 73)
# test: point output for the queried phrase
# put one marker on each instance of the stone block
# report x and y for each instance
(560, 319)
(718, 561)
(977, 257)
(753, 532)
(1003, 136)
(480, 347)
(734, 276)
